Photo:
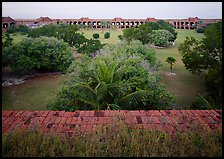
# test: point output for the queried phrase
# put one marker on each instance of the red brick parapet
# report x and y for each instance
(84, 121)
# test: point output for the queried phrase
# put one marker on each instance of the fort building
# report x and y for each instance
(117, 22)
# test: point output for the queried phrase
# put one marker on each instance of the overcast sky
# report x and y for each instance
(110, 10)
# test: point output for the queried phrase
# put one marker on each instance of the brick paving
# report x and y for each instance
(84, 121)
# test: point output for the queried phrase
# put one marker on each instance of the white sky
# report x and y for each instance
(110, 10)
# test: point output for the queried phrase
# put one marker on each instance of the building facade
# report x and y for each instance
(118, 22)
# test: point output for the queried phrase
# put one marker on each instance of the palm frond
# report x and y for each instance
(135, 97)
(101, 91)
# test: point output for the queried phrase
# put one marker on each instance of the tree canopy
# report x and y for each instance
(204, 58)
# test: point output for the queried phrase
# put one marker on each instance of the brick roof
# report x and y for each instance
(66, 122)
(7, 20)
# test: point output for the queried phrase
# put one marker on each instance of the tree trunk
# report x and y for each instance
(171, 67)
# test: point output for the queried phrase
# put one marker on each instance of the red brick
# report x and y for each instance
(18, 113)
(148, 113)
(50, 114)
(194, 112)
(58, 119)
(74, 120)
(24, 113)
(155, 120)
(96, 120)
(63, 119)
(34, 120)
(41, 119)
(127, 113)
(9, 113)
(134, 120)
(59, 129)
(153, 113)
(142, 112)
(30, 113)
(66, 114)
(83, 128)
(90, 121)
(101, 120)
(79, 120)
(81, 114)
(173, 113)
(9, 120)
(39, 113)
(106, 113)
(52, 120)
(144, 120)
(45, 113)
(201, 120)
(17, 120)
(169, 120)
(68, 121)
(215, 113)
(163, 113)
(86, 113)
(61, 113)
(46, 120)
(10, 128)
(91, 113)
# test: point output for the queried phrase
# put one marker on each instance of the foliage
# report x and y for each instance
(69, 34)
(44, 53)
(171, 60)
(200, 30)
(114, 140)
(107, 35)
(6, 42)
(121, 37)
(161, 37)
(119, 77)
(96, 35)
(19, 28)
(204, 58)
(147, 33)
(90, 47)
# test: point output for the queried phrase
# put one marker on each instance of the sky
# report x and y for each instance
(110, 10)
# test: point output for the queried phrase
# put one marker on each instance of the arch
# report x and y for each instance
(5, 25)
(132, 23)
(127, 23)
(75, 22)
(141, 22)
(70, 22)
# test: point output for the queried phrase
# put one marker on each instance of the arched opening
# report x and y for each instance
(84, 23)
(141, 22)
(70, 22)
(108, 24)
(75, 22)
(58, 22)
(136, 23)
(132, 23)
(127, 23)
(5, 25)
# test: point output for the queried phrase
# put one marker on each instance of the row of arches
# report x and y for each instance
(105, 24)
(185, 25)
(8, 25)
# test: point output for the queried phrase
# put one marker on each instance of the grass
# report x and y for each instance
(184, 85)
(31, 95)
(115, 140)
(113, 35)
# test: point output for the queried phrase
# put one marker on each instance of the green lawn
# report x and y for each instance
(31, 95)
(36, 94)
(113, 35)
(183, 84)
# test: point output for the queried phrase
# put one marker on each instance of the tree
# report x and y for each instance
(204, 58)
(119, 77)
(171, 60)
(39, 54)
(161, 38)
(107, 35)
(96, 35)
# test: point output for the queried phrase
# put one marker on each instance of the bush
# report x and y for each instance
(120, 37)
(161, 38)
(120, 77)
(39, 54)
(107, 35)
(200, 30)
(96, 35)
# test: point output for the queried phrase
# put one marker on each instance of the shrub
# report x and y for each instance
(96, 35)
(200, 30)
(161, 37)
(40, 54)
(119, 77)
(107, 35)
(120, 37)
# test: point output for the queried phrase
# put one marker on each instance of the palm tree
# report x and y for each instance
(171, 60)
(103, 95)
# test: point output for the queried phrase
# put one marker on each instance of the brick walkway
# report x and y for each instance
(67, 122)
